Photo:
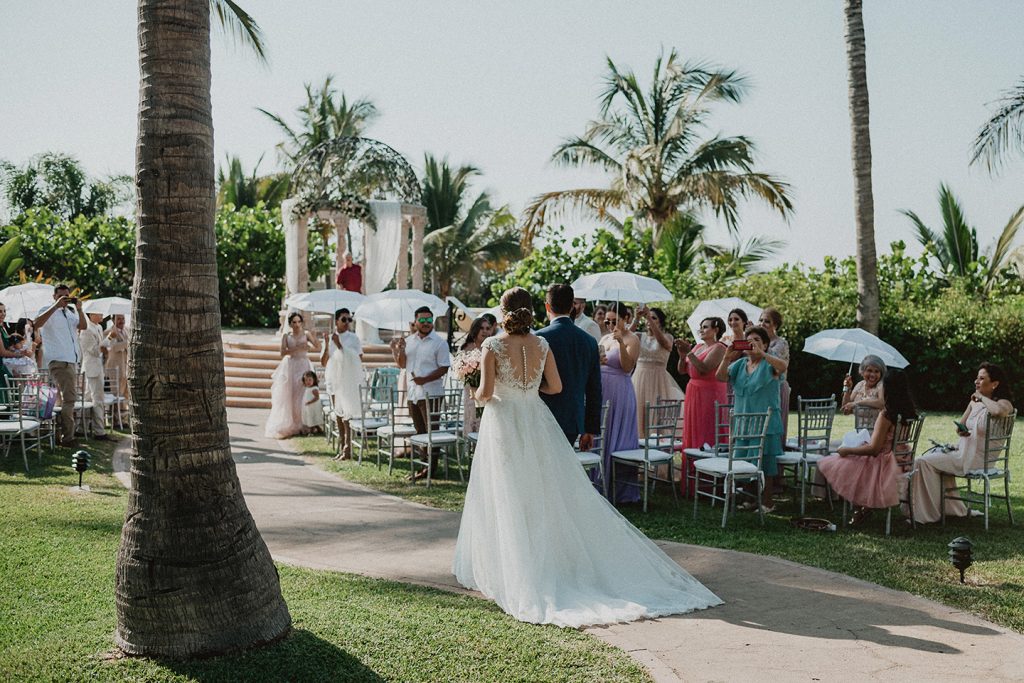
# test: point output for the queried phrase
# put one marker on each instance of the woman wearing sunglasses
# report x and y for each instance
(342, 360)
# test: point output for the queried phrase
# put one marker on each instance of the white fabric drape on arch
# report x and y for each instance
(382, 246)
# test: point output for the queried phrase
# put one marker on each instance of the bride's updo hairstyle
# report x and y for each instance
(517, 305)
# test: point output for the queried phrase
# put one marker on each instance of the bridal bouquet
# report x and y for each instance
(466, 366)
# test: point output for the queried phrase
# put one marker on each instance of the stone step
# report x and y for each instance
(248, 373)
(275, 347)
(238, 402)
(244, 392)
(250, 363)
(233, 382)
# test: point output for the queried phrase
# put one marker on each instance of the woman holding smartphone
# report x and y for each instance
(621, 349)
(755, 381)
(700, 362)
(991, 396)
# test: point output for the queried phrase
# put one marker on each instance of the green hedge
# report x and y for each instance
(98, 255)
(944, 330)
(945, 326)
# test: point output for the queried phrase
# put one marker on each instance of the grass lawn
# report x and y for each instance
(914, 561)
(57, 557)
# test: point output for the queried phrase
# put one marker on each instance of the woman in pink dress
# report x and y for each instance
(867, 476)
(704, 389)
(286, 392)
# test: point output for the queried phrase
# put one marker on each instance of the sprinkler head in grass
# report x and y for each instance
(80, 461)
(960, 555)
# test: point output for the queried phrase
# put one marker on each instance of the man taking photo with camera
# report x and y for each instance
(59, 329)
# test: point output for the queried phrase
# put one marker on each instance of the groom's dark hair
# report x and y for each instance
(560, 298)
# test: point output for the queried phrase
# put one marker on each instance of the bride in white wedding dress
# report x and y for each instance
(536, 537)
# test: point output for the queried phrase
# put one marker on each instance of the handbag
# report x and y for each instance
(38, 400)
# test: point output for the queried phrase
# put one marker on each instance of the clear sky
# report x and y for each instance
(499, 84)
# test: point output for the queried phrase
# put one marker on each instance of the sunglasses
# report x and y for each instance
(345, 320)
(424, 320)
(609, 323)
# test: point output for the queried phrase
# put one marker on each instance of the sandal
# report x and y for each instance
(860, 515)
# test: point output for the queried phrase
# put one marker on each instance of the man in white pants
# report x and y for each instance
(92, 340)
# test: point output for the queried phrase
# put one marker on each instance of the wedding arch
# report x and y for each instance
(357, 178)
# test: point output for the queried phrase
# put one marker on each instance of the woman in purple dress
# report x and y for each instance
(620, 349)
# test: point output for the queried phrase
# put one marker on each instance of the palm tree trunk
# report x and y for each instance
(864, 203)
(194, 576)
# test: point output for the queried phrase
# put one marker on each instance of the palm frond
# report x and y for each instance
(1002, 252)
(1002, 132)
(240, 25)
(961, 240)
(595, 203)
(926, 236)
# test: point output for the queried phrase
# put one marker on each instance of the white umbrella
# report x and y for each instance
(110, 305)
(620, 286)
(393, 309)
(325, 300)
(719, 308)
(850, 345)
(25, 301)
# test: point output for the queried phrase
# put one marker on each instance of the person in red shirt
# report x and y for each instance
(350, 275)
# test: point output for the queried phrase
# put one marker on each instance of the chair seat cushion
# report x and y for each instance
(13, 427)
(991, 473)
(721, 466)
(473, 436)
(434, 438)
(588, 459)
(662, 442)
(700, 453)
(640, 455)
(369, 423)
(396, 430)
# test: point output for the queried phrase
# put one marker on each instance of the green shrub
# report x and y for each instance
(98, 255)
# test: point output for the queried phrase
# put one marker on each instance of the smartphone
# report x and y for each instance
(742, 345)
(961, 428)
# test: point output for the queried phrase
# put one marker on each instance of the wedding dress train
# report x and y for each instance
(538, 539)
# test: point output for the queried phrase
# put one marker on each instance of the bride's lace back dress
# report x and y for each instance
(536, 537)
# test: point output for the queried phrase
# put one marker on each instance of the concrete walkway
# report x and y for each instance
(781, 621)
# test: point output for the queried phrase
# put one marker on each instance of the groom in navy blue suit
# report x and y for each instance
(578, 407)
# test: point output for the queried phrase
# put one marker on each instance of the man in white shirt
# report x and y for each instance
(346, 396)
(585, 322)
(92, 341)
(59, 326)
(425, 358)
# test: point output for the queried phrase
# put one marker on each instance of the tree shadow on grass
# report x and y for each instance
(302, 656)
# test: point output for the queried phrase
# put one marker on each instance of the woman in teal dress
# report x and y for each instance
(755, 378)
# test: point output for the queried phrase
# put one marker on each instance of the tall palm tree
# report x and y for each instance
(1002, 133)
(444, 189)
(194, 576)
(463, 243)
(956, 247)
(237, 188)
(650, 144)
(863, 199)
(322, 117)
